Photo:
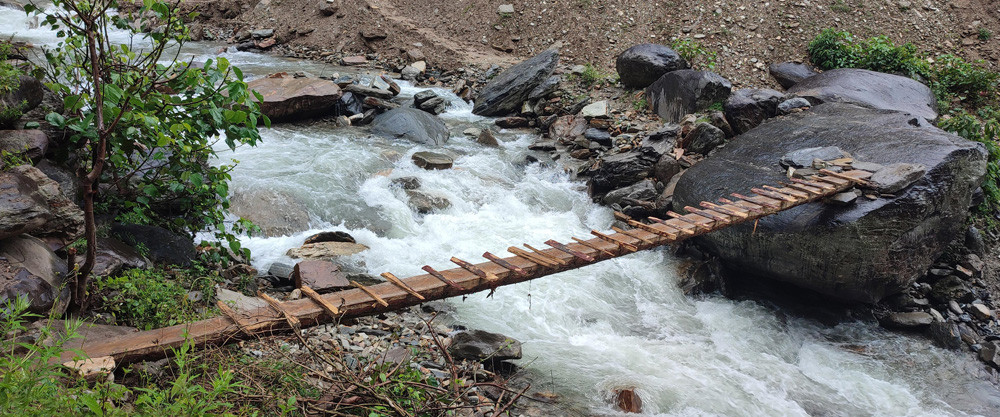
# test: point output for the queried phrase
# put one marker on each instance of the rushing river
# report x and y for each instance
(585, 332)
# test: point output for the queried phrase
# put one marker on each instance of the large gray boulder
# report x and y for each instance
(287, 98)
(870, 89)
(275, 212)
(31, 143)
(860, 252)
(790, 73)
(23, 98)
(29, 269)
(505, 93)
(411, 124)
(161, 245)
(32, 203)
(683, 92)
(749, 107)
(623, 169)
(643, 64)
(479, 345)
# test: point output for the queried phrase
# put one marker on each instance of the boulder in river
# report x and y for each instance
(275, 212)
(749, 107)
(683, 92)
(287, 98)
(326, 250)
(790, 73)
(643, 64)
(479, 345)
(29, 269)
(859, 252)
(870, 89)
(411, 124)
(623, 169)
(505, 92)
(432, 160)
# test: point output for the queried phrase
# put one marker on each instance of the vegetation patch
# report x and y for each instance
(694, 53)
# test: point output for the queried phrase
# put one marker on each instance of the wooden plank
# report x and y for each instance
(651, 229)
(787, 191)
(731, 211)
(402, 285)
(474, 269)
(438, 276)
(232, 315)
(532, 257)
(633, 235)
(582, 256)
(547, 255)
(593, 246)
(506, 265)
(276, 305)
(370, 293)
(331, 309)
(621, 244)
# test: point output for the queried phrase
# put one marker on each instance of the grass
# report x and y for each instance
(984, 34)
(694, 53)
(153, 298)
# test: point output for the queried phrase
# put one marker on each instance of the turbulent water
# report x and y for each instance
(585, 332)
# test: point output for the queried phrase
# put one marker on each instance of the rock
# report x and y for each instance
(803, 158)
(349, 104)
(31, 202)
(430, 102)
(320, 275)
(666, 168)
(424, 203)
(505, 9)
(161, 245)
(870, 89)
(238, 301)
(595, 110)
(917, 319)
(114, 256)
(31, 144)
(262, 33)
(420, 66)
(600, 136)
(682, 92)
(644, 190)
(990, 353)
(580, 154)
(747, 108)
(867, 166)
(354, 60)
(478, 345)
(361, 90)
(336, 236)
(790, 73)
(549, 86)
(968, 334)
(568, 128)
(377, 103)
(275, 212)
(641, 65)
(862, 252)
(486, 138)
(895, 177)
(411, 124)
(505, 93)
(373, 33)
(704, 138)
(324, 250)
(290, 98)
(980, 311)
(950, 288)
(281, 270)
(406, 183)
(472, 132)
(844, 199)
(945, 334)
(329, 7)
(431, 160)
(628, 401)
(30, 269)
(792, 105)
(622, 169)
(512, 122)
(24, 97)
(409, 73)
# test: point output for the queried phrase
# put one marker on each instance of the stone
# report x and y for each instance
(895, 177)
(790, 73)
(666, 168)
(69, 183)
(945, 334)
(31, 202)
(547, 87)
(704, 138)
(370, 33)
(27, 95)
(275, 212)
(600, 136)
(867, 166)
(238, 301)
(364, 91)
(406, 183)
(580, 154)
(862, 252)
(595, 110)
(628, 400)
(950, 288)
(793, 105)
(568, 128)
(643, 64)
(870, 89)
(980, 311)
(412, 125)
(160, 245)
(486, 138)
(30, 143)
(28, 268)
(968, 334)
(622, 169)
(913, 320)
(803, 158)
(505, 9)
(354, 60)
(287, 98)
(335, 236)
(425, 203)
(281, 270)
(990, 353)
(505, 92)
(844, 199)
(682, 92)
(430, 102)
(747, 108)
(420, 66)
(974, 241)
(329, 7)
(321, 275)
(472, 132)
(644, 190)
(325, 250)
(409, 73)
(478, 345)
(114, 256)
(431, 160)
(349, 104)
(262, 33)
(512, 122)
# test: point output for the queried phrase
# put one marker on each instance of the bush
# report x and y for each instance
(694, 53)
(149, 299)
(10, 80)
(983, 128)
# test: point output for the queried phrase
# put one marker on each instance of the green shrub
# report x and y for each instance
(953, 77)
(983, 128)
(591, 75)
(985, 34)
(149, 299)
(694, 53)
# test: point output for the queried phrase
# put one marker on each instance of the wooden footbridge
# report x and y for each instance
(526, 264)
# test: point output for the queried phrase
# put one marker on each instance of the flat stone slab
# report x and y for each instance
(432, 160)
(326, 250)
(320, 275)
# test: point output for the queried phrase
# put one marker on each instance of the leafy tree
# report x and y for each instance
(142, 123)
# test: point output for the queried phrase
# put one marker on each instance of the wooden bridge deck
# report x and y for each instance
(526, 264)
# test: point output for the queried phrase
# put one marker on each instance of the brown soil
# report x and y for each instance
(746, 35)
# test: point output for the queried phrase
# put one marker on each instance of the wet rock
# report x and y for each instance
(24, 97)
(320, 275)
(424, 203)
(945, 334)
(600, 136)
(31, 202)
(845, 198)
(406, 183)
(747, 108)
(704, 138)
(430, 102)
(549, 86)
(160, 245)
(882, 245)
(641, 65)
(914, 320)
(871, 89)
(512, 122)
(682, 92)
(411, 124)
(486, 138)
(349, 105)
(895, 177)
(287, 98)
(28, 268)
(793, 105)
(644, 190)
(325, 250)
(478, 345)
(628, 400)
(431, 160)
(472, 132)
(354, 60)
(505, 93)
(275, 212)
(364, 91)
(951, 288)
(790, 73)
(990, 353)
(31, 144)
(622, 169)
(335, 236)
(968, 334)
(802, 158)
(114, 256)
